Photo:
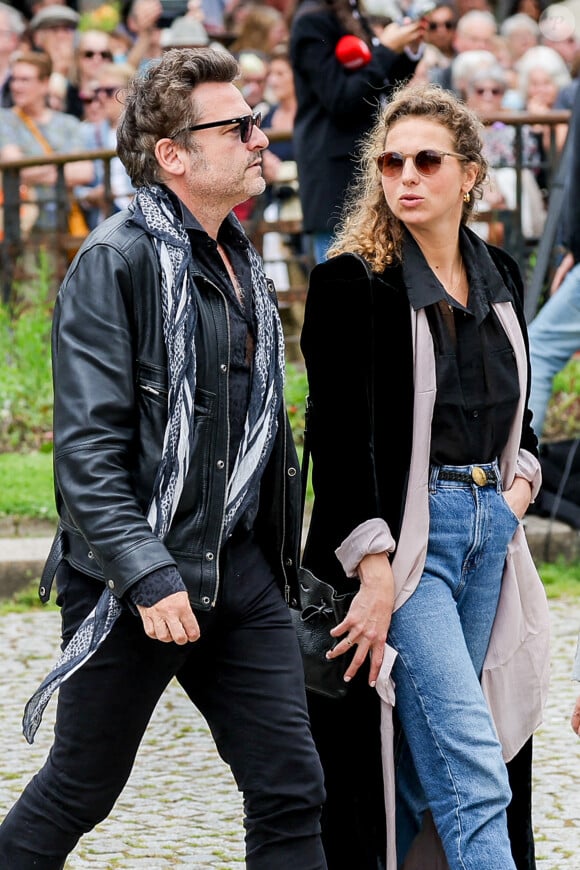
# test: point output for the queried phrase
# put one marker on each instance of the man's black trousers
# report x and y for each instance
(244, 675)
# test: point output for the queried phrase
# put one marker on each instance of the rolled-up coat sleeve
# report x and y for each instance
(370, 537)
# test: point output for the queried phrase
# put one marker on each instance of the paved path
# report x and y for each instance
(181, 808)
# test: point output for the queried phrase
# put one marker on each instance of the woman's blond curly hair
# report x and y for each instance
(367, 226)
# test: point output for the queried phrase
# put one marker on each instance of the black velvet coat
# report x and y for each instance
(358, 346)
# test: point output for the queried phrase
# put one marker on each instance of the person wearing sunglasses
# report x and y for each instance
(441, 26)
(107, 91)
(92, 52)
(416, 327)
(486, 90)
(174, 457)
(474, 32)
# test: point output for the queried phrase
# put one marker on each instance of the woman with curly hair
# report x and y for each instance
(424, 464)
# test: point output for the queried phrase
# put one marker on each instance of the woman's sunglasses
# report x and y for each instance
(427, 161)
(245, 125)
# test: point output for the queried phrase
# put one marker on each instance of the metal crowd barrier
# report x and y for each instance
(14, 243)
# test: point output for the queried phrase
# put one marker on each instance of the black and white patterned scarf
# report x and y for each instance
(155, 213)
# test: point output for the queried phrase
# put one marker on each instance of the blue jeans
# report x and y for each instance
(451, 761)
(554, 337)
(320, 245)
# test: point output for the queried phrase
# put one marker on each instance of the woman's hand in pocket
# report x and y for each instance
(519, 496)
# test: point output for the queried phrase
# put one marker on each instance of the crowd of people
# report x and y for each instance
(531, 57)
(176, 475)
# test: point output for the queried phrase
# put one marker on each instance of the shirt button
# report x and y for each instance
(223, 368)
(475, 414)
(209, 557)
(291, 472)
(220, 464)
(90, 555)
(111, 584)
(205, 600)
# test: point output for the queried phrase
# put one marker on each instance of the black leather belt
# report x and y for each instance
(477, 475)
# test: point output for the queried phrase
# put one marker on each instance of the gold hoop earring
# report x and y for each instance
(467, 196)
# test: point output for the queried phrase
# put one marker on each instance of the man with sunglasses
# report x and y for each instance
(177, 485)
(474, 32)
(108, 89)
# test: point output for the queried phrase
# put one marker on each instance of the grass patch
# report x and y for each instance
(26, 488)
(561, 579)
(563, 412)
(26, 600)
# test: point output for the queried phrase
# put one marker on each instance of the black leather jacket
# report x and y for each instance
(111, 381)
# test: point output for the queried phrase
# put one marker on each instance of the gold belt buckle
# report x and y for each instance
(478, 475)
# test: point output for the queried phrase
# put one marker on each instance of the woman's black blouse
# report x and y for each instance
(477, 378)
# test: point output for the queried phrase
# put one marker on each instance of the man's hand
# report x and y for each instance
(575, 718)
(367, 621)
(170, 620)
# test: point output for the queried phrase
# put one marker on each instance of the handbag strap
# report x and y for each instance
(305, 457)
(32, 127)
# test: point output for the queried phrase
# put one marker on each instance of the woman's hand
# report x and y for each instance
(367, 621)
(519, 496)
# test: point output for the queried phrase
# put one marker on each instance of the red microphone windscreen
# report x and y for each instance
(352, 52)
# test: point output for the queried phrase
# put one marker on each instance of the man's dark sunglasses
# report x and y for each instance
(427, 162)
(245, 124)
(435, 25)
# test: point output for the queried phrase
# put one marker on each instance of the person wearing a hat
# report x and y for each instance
(52, 30)
(187, 31)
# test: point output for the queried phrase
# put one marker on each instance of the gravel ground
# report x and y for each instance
(181, 808)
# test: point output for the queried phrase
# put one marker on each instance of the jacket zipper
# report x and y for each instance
(147, 389)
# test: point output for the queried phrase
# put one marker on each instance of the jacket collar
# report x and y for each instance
(486, 285)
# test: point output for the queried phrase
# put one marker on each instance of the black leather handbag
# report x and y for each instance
(319, 609)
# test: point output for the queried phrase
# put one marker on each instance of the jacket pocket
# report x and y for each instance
(152, 383)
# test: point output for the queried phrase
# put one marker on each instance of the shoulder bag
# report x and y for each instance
(319, 609)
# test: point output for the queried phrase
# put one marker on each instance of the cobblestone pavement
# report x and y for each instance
(181, 808)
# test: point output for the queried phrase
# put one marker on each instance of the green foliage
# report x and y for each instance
(25, 369)
(24, 600)
(568, 380)
(295, 393)
(26, 488)
(560, 578)
(563, 414)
